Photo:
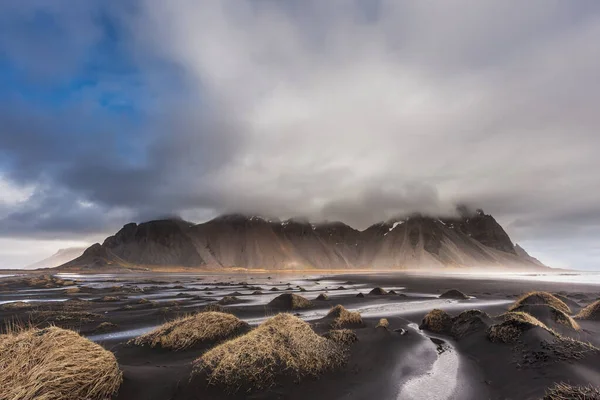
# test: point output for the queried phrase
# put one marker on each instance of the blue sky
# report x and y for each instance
(118, 111)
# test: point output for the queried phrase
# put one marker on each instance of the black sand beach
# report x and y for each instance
(397, 362)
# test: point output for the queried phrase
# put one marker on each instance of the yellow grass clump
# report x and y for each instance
(383, 322)
(193, 330)
(16, 306)
(55, 364)
(564, 319)
(513, 325)
(378, 291)
(322, 297)
(343, 336)
(105, 327)
(283, 346)
(228, 300)
(215, 308)
(46, 281)
(437, 321)
(532, 298)
(343, 317)
(62, 317)
(590, 312)
(563, 391)
(290, 301)
(555, 314)
(108, 299)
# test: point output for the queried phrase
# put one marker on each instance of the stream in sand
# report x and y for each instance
(441, 381)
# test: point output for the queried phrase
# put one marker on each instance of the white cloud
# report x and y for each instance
(360, 110)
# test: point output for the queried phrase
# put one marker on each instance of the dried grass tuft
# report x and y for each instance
(45, 282)
(343, 336)
(383, 322)
(378, 291)
(108, 299)
(437, 321)
(193, 330)
(215, 308)
(60, 317)
(55, 364)
(283, 346)
(16, 306)
(289, 301)
(343, 318)
(590, 312)
(228, 300)
(564, 391)
(546, 298)
(513, 325)
(555, 314)
(564, 319)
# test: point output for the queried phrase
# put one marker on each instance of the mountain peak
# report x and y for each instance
(250, 241)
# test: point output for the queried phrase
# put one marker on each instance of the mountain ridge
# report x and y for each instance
(252, 242)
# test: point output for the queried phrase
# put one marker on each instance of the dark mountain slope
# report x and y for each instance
(474, 240)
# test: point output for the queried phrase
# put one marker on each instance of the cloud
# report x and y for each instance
(334, 110)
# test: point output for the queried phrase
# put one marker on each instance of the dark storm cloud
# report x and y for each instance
(333, 110)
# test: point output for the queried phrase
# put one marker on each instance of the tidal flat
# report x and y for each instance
(404, 358)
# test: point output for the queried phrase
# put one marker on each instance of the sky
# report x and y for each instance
(128, 110)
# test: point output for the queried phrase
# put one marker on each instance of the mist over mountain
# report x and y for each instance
(60, 257)
(252, 242)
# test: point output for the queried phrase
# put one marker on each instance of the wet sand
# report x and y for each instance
(401, 362)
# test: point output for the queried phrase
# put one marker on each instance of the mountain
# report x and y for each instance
(523, 254)
(239, 241)
(60, 257)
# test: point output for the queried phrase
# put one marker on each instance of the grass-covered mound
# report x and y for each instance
(546, 298)
(344, 336)
(513, 324)
(383, 323)
(322, 297)
(229, 300)
(105, 327)
(538, 343)
(342, 318)
(454, 294)
(289, 301)
(55, 364)
(215, 308)
(16, 306)
(378, 291)
(437, 321)
(563, 391)
(194, 330)
(62, 318)
(549, 315)
(283, 346)
(46, 282)
(108, 299)
(590, 312)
